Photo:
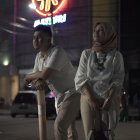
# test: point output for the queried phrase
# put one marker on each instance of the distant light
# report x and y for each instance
(20, 26)
(6, 62)
(32, 6)
(29, 85)
(52, 94)
(23, 19)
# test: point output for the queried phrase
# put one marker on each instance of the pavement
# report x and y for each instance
(5, 111)
(125, 130)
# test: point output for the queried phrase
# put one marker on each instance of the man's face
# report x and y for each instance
(41, 40)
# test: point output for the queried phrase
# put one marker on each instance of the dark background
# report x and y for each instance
(130, 44)
(75, 34)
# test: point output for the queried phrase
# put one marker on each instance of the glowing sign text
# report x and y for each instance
(51, 20)
(48, 7)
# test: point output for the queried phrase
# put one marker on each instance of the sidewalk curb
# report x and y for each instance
(4, 112)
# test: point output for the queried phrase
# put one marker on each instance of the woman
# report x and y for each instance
(100, 78)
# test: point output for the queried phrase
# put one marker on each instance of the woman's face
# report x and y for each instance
(98, 34)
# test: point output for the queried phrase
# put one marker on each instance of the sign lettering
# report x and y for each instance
(51, 20)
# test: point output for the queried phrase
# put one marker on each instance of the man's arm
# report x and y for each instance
(39, 75)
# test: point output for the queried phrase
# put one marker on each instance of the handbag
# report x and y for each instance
(97, 134)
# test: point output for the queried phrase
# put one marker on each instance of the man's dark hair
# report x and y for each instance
(43, 28)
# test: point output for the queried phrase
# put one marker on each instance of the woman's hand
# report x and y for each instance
(106, 104)
(94, 104)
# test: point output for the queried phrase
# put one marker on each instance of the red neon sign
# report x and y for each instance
(48, 7)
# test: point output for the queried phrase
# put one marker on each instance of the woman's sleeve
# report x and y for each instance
(118, 76)
(81, 74)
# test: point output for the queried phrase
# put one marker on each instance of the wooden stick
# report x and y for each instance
(41, 114)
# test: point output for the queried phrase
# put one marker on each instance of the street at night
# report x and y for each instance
(28, 62)
(21, 128)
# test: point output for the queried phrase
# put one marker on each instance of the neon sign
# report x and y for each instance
(48, 7)
(50, 20)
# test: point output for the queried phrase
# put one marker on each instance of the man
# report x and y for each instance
(53, 66)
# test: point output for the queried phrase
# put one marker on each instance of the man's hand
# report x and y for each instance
(39, 84)
(27, 80)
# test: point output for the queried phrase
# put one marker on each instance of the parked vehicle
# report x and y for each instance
(50, 105)
(25, 103)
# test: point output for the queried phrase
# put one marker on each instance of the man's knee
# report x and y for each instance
(59, 125)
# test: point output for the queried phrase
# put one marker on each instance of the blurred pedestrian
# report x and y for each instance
(124, 107)
(100, 78)
(136, 102)
(53, 66)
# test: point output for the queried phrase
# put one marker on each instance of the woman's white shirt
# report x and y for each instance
(100, 81)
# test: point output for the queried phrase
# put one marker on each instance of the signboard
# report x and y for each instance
(48, 7)
(50, 20)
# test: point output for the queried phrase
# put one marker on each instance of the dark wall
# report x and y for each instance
(130, 29)
(130, 44)
(73, 36)
(6, 8)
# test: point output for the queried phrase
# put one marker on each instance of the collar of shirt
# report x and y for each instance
(47, 53)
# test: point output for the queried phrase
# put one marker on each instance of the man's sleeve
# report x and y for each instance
(35, 69)
(57, 59)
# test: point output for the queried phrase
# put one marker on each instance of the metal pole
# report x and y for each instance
(42, 114)
(91, 21)
(52, 28)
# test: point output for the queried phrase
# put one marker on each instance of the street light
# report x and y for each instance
(5, 62)
(32, 6)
